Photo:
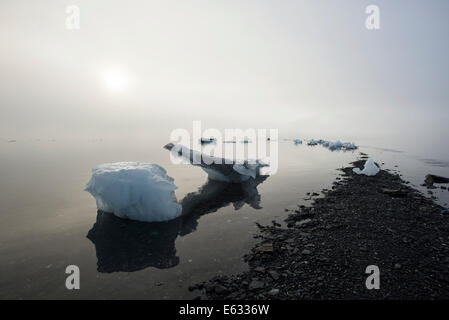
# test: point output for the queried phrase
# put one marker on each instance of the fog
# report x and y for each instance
(307, 68)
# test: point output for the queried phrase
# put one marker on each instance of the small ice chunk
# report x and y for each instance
(369, 169)
(208, 140)
(337, 145)
(297, 141)
(349, 146)
(333, 145)
(133, 190)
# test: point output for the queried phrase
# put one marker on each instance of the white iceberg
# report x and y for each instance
(132, 190)
(369, 169)
(333, 145)
(219, 169)
(349, 146)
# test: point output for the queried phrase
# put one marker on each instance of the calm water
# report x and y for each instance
(48, 222)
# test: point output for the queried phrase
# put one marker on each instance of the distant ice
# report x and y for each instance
(369, 169)
(312, 142)
(208, 140)
(333, 145)
(338, 145)
(297, 141)
(132, 190)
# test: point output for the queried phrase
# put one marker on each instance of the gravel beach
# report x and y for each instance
(325, 249)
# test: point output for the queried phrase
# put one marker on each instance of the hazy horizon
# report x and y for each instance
(309, 69)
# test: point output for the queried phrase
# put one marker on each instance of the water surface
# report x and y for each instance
(48, 222)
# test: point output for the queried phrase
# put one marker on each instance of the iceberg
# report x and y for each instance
(333, 145)
(207, 140)
(297, 141)
(312, 142)
(246, 168)
(369, 169)
(219, 169)
(349, 146)
(133, 190)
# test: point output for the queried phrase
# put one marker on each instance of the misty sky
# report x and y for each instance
(308, 68)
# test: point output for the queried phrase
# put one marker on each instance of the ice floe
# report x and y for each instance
(369, 169)
(219, 169)
(133, 190)
(333, 145)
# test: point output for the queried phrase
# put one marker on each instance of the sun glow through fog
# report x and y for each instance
(115, 80)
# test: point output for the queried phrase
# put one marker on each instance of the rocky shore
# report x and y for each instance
(326, 248)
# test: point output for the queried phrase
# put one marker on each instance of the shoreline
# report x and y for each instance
(327, 246)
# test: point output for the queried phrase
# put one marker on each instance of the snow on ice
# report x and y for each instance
(132, 190)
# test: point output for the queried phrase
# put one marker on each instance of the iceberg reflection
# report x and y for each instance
(127, 245)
